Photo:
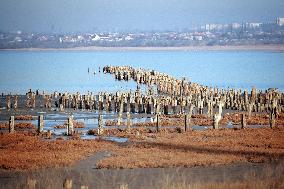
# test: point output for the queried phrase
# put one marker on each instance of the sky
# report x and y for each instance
(129, 15)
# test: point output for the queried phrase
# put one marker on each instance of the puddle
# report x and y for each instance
(84, 136)
(110, 138)
(257, 126)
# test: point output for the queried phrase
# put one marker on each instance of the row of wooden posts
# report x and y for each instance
(181, 97)
(136, 102)
(181, 91)
(100, 131)
(176, 99)
(70, 125)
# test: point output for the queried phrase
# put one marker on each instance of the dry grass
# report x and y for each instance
(251, 184)
(269, 177)
(24, 117)
(168, 148)
(211, 147)
(28, 151)
(22, 125)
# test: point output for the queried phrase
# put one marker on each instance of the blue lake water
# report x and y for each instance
(68, 70)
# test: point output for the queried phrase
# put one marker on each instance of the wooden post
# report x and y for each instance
(128, 121)
(33, 102)
(243, 121)
(250, 106)
(216, 120)
(187, 122)
(15, 102)
(100, 125)
(149, 108)
(61, 107)
(120, 113)
(158, 122)
(8, 102)
(70, 128)
(31, 183)
(68, 183)
(12, 124)
(210, 109)
(40, 123)
(272, 120)
(123, 186)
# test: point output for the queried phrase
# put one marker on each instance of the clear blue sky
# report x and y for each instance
(90, 15)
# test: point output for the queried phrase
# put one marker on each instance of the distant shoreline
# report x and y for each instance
(275, 48)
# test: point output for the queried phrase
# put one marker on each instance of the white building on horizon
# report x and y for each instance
(280, 21)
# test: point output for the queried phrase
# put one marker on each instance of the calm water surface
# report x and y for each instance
(68, 70)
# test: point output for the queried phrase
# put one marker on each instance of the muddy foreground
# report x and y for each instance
(234, 156)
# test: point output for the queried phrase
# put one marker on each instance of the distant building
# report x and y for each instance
(210, 27)
(128, 38)
(236, 25)
(96, 38)
(18, 39)
(280, 21)
(253, 25)
(198, 38)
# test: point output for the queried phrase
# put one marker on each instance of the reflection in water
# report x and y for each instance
(86, 175)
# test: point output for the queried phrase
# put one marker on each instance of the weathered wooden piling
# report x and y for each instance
(210, 109)
(272, 120)
(61, 108)
(216, 120)
(8, 102)
(100, 125)
(119, 118)
(128, 121)
(250, 107)
(68, 184)
(15, 102)
(243, 121)
(70, 126)
(31, 183)
(187, 119)
(12, 124)
(40, 124)
(149, 107)
(123, 186)
(158, 122)
(33, 100)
